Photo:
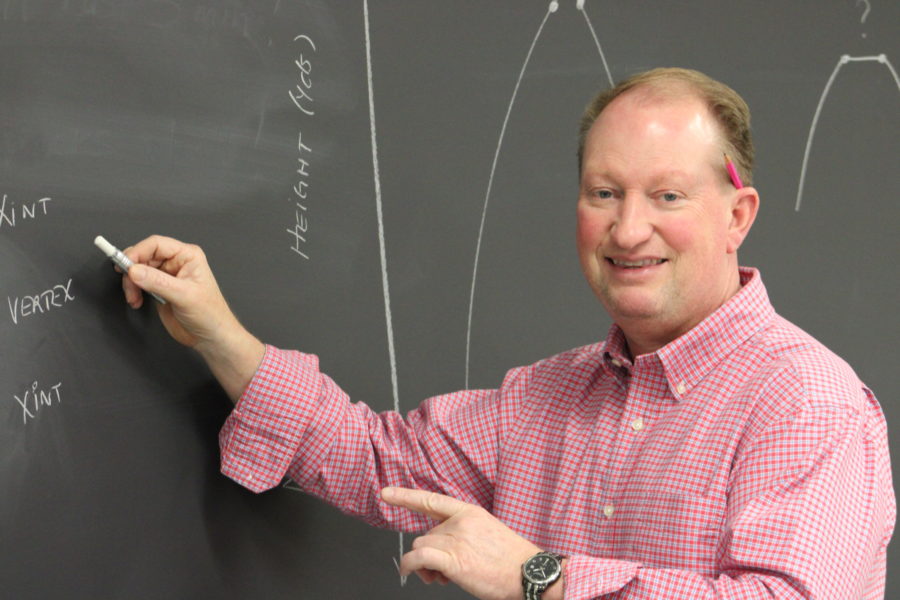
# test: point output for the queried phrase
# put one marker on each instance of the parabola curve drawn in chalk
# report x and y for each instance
(845, 59)
(552, 8)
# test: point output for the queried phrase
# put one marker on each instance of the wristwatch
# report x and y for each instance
(539, 572)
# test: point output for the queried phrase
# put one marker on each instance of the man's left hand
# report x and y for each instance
(469, 546)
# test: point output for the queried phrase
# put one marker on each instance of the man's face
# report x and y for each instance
(655, 221)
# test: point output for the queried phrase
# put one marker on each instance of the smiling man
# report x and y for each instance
(707, 448)
(659, 223)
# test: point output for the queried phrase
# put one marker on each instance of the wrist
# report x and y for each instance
(233, 358)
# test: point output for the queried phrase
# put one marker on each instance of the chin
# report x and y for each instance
(636, 313)
(628, 305)
(625, 307)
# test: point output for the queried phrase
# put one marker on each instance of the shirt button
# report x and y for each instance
(681, 388)
(637, 424)
(608, 510)
(616, 362)
(249, 477)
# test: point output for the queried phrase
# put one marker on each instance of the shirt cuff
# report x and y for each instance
(589, 577)
(262, 434)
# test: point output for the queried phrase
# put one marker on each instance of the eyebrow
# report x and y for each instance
(655, 179)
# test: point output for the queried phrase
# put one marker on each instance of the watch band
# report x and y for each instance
(534, 590)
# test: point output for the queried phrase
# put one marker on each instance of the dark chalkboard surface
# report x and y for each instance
(248, 127)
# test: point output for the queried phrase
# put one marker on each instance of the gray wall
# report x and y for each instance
(174, 116)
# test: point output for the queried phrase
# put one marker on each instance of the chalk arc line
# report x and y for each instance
(597, 43)
(381, 244)
(550, 10)
(382, 252)
(843, 60)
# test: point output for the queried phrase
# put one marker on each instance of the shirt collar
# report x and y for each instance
(690, 357)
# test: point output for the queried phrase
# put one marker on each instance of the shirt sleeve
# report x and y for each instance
(811, 511)
(294, 421)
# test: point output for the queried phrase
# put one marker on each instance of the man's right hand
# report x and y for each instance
(195, 314)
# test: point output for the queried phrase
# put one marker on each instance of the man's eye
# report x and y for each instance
(670, 196)
(603, 194)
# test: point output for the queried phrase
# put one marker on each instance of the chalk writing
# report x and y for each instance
(302, 99)
(33, 399)
(9, 216)
(301, 222)
(43, 302)
(868, 8)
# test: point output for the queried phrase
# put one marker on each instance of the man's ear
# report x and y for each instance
(744, 206)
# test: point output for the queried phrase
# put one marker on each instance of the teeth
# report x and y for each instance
(637, 263)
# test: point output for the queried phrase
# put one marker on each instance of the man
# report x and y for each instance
(707, 448)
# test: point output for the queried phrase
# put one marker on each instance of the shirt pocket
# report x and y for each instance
(672, 531)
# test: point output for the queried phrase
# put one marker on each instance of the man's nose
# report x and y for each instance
(634, 222)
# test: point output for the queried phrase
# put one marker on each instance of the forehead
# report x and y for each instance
(672, 131)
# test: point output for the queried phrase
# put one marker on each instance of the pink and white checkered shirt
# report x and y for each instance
(742, 460)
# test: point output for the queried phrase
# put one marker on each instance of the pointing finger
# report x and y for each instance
(431, 504)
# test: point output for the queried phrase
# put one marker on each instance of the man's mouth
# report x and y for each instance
(636, 264)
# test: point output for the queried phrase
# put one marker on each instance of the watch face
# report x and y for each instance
(540, 569)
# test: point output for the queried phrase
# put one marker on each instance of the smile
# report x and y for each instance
(635, 264)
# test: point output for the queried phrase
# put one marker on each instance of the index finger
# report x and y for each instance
(157, 249)
(431, 504)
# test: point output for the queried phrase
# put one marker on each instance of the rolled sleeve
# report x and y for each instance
(588, 577)
(267, 426)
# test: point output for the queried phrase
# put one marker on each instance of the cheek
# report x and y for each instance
(590, 230)
(694, 237)
(681, 234)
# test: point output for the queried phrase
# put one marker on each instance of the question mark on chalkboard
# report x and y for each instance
(865, 11)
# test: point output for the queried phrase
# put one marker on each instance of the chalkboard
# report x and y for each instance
(388, 185)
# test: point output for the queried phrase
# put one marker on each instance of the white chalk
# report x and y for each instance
(118, 258)
(107, 248)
